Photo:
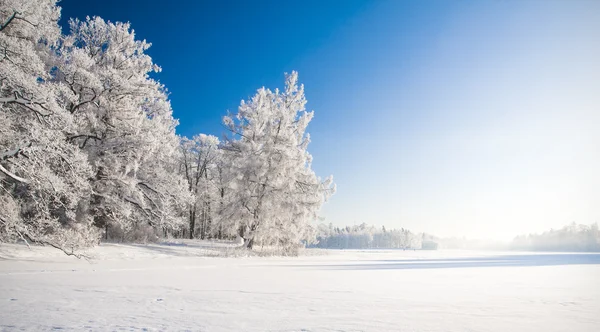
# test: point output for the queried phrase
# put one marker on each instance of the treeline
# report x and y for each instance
(573, 237)
(364, 236)
(88, 148)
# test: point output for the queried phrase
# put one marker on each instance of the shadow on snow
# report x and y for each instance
(471, 262)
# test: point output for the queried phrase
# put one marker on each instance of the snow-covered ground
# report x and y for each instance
(177, 287)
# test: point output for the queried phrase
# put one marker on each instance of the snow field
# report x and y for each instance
(178, 288)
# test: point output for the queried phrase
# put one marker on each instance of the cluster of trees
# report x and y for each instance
(573, 237)
(364, 236)
(88, 145)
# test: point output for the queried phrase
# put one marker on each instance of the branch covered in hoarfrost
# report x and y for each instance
(25, 237)
(18, 99)
(12, 176)
(8, 20)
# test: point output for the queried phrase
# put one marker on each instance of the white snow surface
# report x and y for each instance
(178, 288)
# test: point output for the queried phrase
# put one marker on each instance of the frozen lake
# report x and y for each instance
(139, 288)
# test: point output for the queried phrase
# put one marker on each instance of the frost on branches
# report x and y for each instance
(275, 192)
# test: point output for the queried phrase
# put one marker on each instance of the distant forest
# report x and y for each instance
(365, 236)
(573, 237)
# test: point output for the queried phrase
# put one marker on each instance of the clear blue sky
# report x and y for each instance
(476, 118)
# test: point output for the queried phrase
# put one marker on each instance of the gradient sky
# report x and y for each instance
(458, 118)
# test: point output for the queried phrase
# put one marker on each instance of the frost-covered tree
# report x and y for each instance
(200, 165)
(43, 177)
(124, 124)
(275, 193)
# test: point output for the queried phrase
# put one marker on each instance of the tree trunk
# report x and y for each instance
(209, 220)
(203, 223)
(192, 222)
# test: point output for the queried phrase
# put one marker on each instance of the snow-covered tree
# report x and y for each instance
(275, 192)
(200, 165)
(124, 124)
(43, 177)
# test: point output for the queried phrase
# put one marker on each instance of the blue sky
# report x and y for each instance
(476, 118)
